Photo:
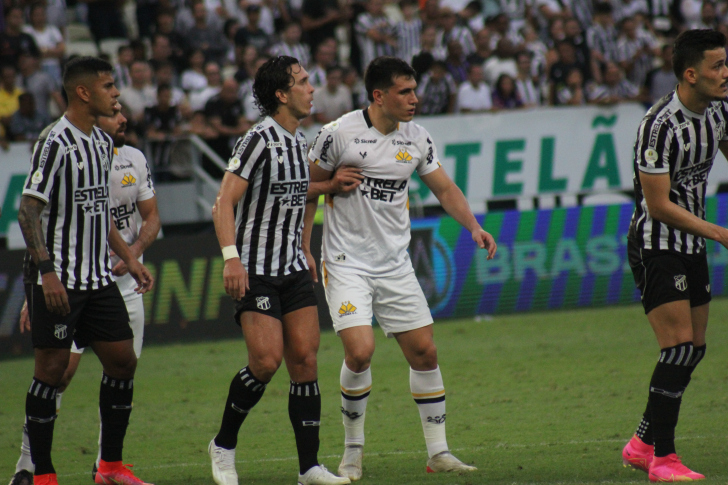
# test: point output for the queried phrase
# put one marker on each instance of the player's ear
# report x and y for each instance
(690, 75)
(83, 93)
(282, 96)
(377, 95)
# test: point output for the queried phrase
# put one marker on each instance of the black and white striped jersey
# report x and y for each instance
(70, 173)
(269, 220)
(672, 139)
(299, 51)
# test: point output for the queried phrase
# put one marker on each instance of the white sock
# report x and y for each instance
(59, 397)
(25, 462)
(355, 390)
(428, 392)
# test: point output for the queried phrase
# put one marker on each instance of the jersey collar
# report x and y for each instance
(369, 123)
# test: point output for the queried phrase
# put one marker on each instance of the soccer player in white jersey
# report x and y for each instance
(134, 211)
(266, 271)
(366, 268)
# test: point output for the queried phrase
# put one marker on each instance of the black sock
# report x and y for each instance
(304, 409)
(666, 389)
(698, 354)
(40, 414)
(115, 398)
(245, 392)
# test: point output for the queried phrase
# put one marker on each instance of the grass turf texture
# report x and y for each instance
(534, 398)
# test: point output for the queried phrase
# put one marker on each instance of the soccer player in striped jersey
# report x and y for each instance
(366, 269)
(676, 144)
(266, 271)
(65, 218)
(134, 210)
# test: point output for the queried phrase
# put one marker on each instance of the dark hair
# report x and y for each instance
(83, 66)
(35, 6)
(275, 75)
(381, 72)
(122, 48)
(690, 47)
(163, 87)
(334, 68)
(603, 8)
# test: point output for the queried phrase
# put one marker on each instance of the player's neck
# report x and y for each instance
(80, 118)
(384, 125)
(692, 100)
(289, 122)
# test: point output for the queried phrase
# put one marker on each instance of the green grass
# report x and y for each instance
(534, 398)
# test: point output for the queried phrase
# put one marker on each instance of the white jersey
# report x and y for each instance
(130, 182)
(367, 231)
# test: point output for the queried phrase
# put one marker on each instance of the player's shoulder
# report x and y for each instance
(413, 131)
(350, 122)
(720, 107)
(663, 113)
(131, 154)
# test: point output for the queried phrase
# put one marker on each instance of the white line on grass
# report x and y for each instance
(419, 452)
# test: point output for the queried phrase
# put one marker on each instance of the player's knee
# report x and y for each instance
(425, 357)
(51, 373)
(126, 368)
(265, 367)
(359, 359)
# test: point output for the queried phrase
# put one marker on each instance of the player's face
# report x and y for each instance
(300, 95)
(104, 95)
(712, 75)
(114, 126)
(400, 100)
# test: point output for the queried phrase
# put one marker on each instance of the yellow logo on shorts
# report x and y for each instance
(347, 309)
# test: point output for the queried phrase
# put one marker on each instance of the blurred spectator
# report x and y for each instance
(324, 58)
(252, 33)
(164, 75)
(125, 56)
(290, 45)
(246, 59)
(356, 86)
(449, 31)
(583, 11)
(546, 11)
(571, 92)
(505, 95)
(637, 50)
(161, 121)
(48, 39)
(560, 69)
(602, 36)
(528, 90)
(198, 99)
(482, 47)
(206, 36)
(161, 51)
(573, 33)
(708, 17)
(517, 10)
(629, 8)
(41, 85)
(615, 89)
(428, 51)
(474, 96)
(266, 20)
(502, 62)
(13, 41)
(375, 34)
(437, 91)
(177, 42)
(146, 16)
(472, 16)
(9, 93)
(198, 126)
(661, 81)
(193, 79)
(533, 44)
(27, 122)
(225, 114)
(333, 100)
(185, 20)
(430, 13)
(106, 19)
(500, 28)
(556, 32)
(689, 12)
(408, 30)
(140, 94)
(457, 66)
(319, 19)
(138, 49)
(56, 14)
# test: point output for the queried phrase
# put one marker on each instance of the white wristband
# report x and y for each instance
(230, 252)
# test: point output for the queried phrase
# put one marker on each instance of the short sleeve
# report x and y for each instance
(146, 186)
(326, 150)
(247, 155)
(430, 162)
(653, 147)
(46, 161)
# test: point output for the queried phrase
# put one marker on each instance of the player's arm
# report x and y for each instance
(455, 204)
(343, 179)
(147, 234)
(141, 274)
(322, 179)
(56, 298)
(232, 189)
(656, 189)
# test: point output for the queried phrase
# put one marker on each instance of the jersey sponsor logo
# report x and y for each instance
(46, 149)
(694, 175)
(340, 257)
(61, 331)
(403, 156)
(94, 200)
(362, 140)
(381, 189)
(234, 163)
(363, 155)
(120, 167)
(401, 143)
(122, 215)
(656, 127)
(128, 180)
(244, 143)
(37, 177)
(437, 419)
(290, 194)
(430, 152)
(275, 144)
(70, 149)
(684, 125)
(325, 148)
(650, 156)
(347, 309)
(262, 302)
(681, 282)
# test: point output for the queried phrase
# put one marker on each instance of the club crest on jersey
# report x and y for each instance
(347, 309)
(37, 177)
(105, 161)
(234, 163)
(262, 302)
(403, 156)
(681, 282)
(60, 332)
(332, 127)
(128, 180)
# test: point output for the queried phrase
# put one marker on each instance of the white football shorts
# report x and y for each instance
(397, 302)
(135, 308)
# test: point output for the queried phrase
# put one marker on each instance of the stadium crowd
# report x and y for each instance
(186, 66)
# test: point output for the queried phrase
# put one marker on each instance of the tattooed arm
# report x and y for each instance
(29, 218)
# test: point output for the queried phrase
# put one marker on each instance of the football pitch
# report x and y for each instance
(538, 398)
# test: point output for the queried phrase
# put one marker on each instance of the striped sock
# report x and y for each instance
(304, 411)
(115, 404)
(428, 392)
(355, 389)
(40, 415)
(245, 392)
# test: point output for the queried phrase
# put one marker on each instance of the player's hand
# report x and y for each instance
(235, 278)
(120, 269)
(346, 179)
(56, 298)
(485, 241)
(311, 265)
(143, 277)
(24, 318)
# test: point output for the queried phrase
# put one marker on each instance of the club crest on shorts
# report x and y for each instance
(262, 302)
(61, 332)
(681, 283)
(347, 309)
